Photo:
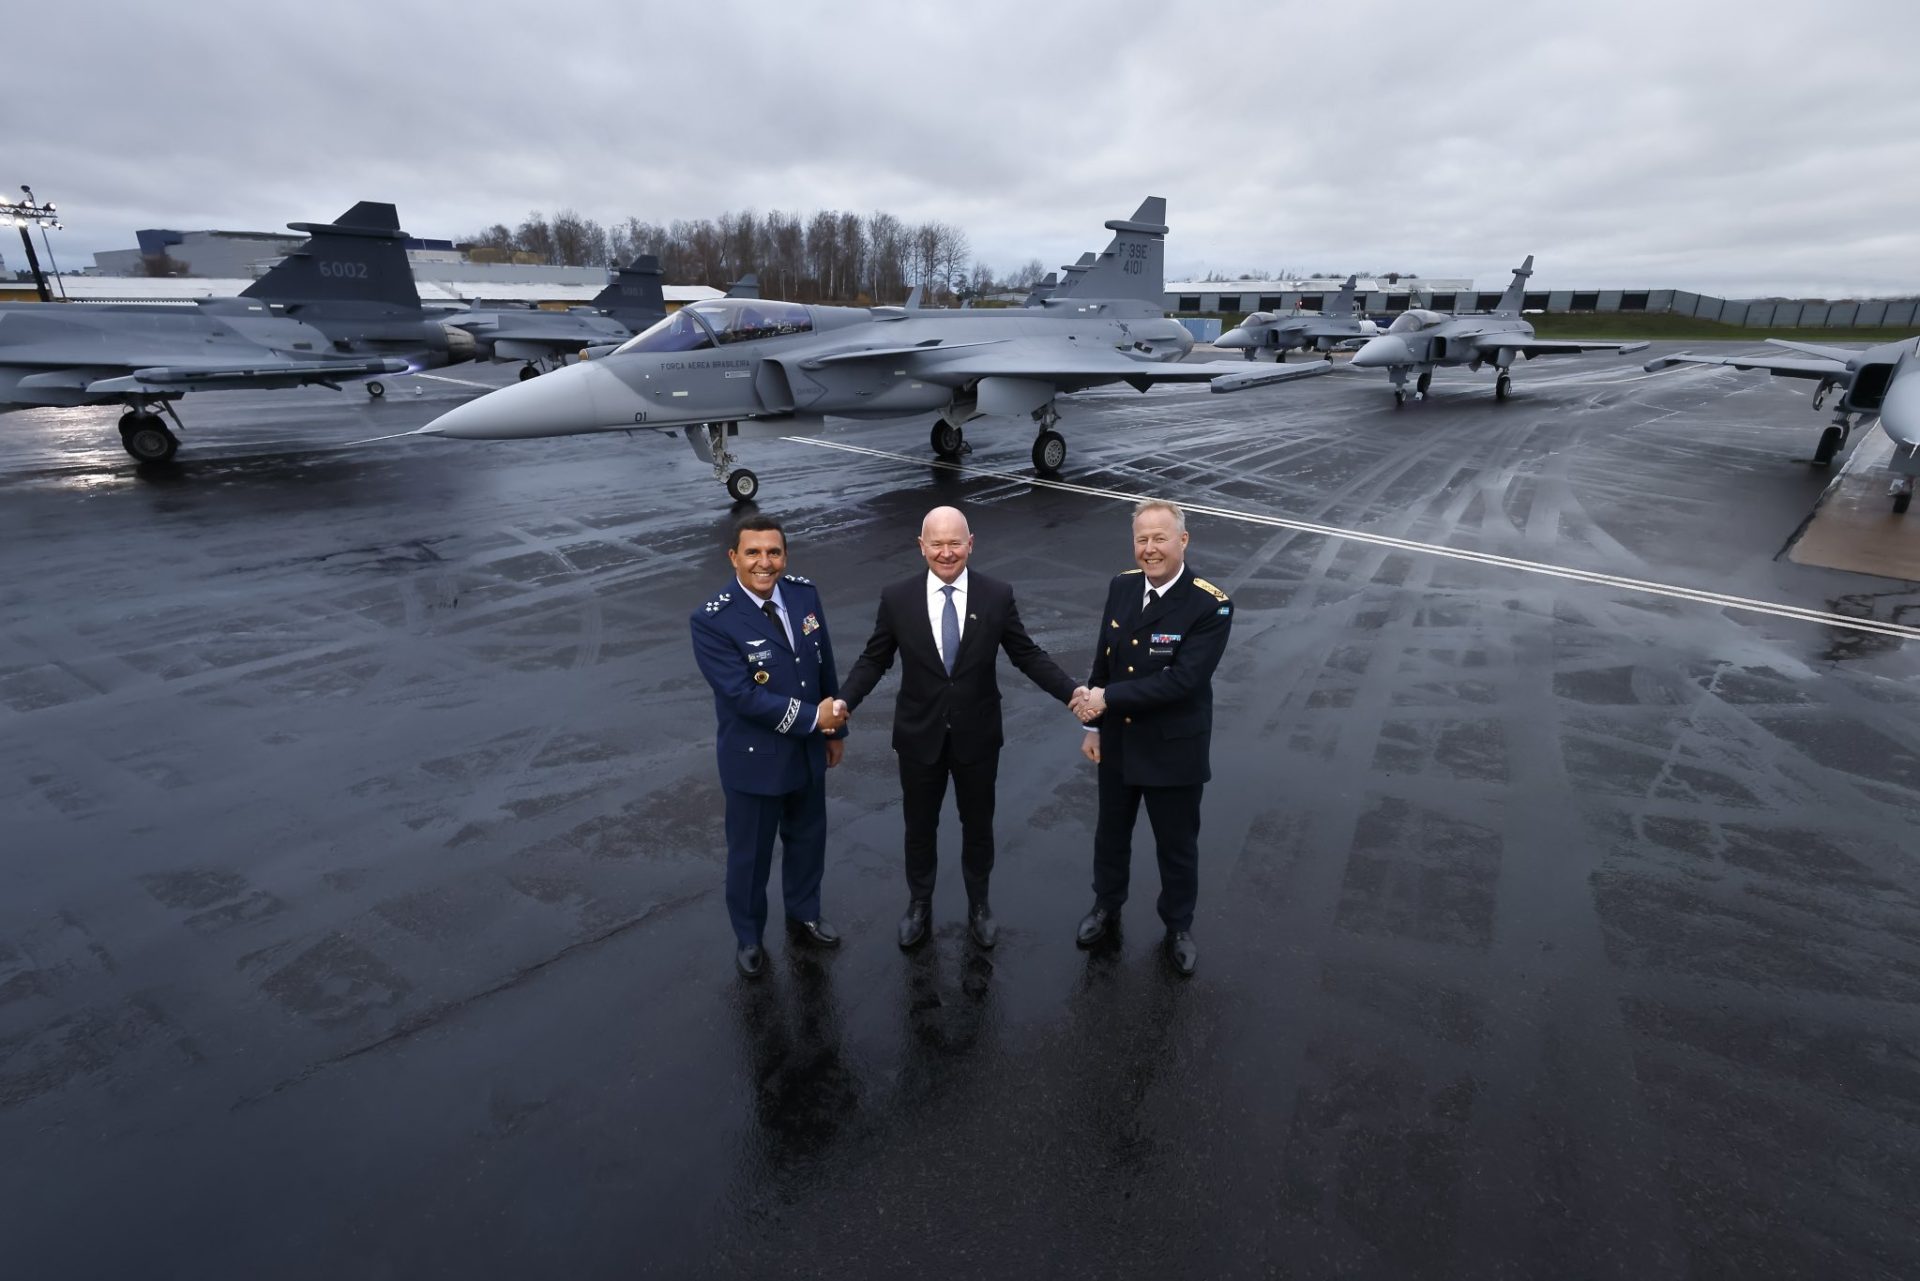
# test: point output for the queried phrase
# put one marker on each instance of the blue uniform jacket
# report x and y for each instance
(765, 691)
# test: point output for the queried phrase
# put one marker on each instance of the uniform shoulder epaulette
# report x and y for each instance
(1210, 589)
(795, 578)
(1125, 572)
(719, 602)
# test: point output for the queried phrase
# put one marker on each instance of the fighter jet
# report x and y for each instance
(1042, 291)
(332, 311)
(728, 369)
(631, 302)
(1883, 380)
(1313, 330)
(1422, 340)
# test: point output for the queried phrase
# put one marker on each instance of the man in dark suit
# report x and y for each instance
(1149, 714)
(761, 642)
(948, 625)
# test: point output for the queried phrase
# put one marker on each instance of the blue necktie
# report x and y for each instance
(949, 631)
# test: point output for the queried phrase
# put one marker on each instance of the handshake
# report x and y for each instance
(1088, 704)
(833, 714)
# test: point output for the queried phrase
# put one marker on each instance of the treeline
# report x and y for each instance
(829, 256)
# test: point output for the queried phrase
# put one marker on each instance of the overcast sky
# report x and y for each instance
(1735, 148)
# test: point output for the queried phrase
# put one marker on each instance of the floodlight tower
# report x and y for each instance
(30, 213)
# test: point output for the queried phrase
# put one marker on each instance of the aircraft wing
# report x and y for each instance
(1531, 347)
(1784, 366)
(1842, 354)
(254, 374)
(1071, 365)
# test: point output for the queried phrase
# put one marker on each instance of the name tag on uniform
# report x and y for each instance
(760, 655)
(1164, 638)
(809, 625)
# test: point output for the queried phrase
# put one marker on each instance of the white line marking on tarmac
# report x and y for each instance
(464, 382)
(1716, 599)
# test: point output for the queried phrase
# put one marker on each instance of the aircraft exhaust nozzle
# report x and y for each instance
(460, 344)
(578, 398)
(1383, 352)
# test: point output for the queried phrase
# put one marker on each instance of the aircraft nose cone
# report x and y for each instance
(1900, 411)
(1377, 353)
(583, 397)
(1235, 337)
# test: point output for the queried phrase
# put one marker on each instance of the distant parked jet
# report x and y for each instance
(1313, 330)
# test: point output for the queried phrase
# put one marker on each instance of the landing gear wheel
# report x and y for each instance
(743, 485)
(948, 441)
(1425, 384)
(1049, 451)
(1830, 441)
(1249, 353)
(1399, 398)
(376, 389)
(146, 437)
(1501, 387)
(528, 371)
(1901, 501)
(1280, 356)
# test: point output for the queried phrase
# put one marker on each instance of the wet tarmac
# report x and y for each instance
(360, 906)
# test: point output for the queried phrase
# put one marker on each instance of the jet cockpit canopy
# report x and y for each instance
(1408, 321)
(745, 319)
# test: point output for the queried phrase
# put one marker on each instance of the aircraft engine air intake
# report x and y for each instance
(459, 344)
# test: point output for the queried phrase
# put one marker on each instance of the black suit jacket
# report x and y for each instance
(933, 707)
(1157, 668)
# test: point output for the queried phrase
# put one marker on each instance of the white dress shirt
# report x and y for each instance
(1163, 590)
(937, 606)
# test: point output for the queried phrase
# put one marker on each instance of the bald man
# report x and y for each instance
(948, 626)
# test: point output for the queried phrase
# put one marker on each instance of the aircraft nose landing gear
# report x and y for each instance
(1832, 440)
(145, 435)
(1503, 386)
(1901, 492)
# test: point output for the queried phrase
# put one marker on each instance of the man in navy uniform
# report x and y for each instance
(948, 627)
(761, 642)
(1149, 716)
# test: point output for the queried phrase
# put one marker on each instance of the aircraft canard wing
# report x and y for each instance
(1783, 366)
(261, 374)
(1531, 347)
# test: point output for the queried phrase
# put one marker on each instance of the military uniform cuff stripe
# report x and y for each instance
(793, 714)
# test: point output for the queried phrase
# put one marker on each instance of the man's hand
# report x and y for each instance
(1088, 704)
(836, 748)
(1090, 747)
(840, 706)
(833, 714)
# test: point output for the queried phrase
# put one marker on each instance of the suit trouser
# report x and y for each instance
(1174, 813)
(923, 790)
(799, 819)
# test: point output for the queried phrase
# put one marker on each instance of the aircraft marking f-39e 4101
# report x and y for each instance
(1421, 340)
(1312, 330)
(726, 369)
(1882, 380)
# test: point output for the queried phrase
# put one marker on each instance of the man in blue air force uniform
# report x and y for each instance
(761, 642)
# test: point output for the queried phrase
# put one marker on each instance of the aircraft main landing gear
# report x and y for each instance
(376, 389)
(949, 441)
(1424, 384)
(743, 485)
(1832, 440)
(1502, 386)
(145, 436)
(1049, 447)
(528, 371)
(1399, 398)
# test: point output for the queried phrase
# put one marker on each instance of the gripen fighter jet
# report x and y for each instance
(732, 368)
(341, 307)
(1313, 330)
(1421, 340)
(631, 302)
(1882, 380)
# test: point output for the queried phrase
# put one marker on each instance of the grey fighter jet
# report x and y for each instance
(1421, 340)
(1043, 290)
(631, 302)
(1316, 331)
(733, 368)
(1883, 381)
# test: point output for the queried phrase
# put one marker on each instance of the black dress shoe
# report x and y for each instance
(980, 924)
(916, 924)
(1181, 951)
(1094, 926)
(818, 933)
(751, 960)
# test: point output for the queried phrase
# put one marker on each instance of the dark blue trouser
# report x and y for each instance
(799, 819)
(1175, 815)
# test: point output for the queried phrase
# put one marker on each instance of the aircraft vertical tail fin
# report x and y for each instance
(1042, 291)
(636, 291)
(1343, 302)
(1133, 266)
(1072, 275)
(360, 258)
(1516, 296)
(748, 286)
